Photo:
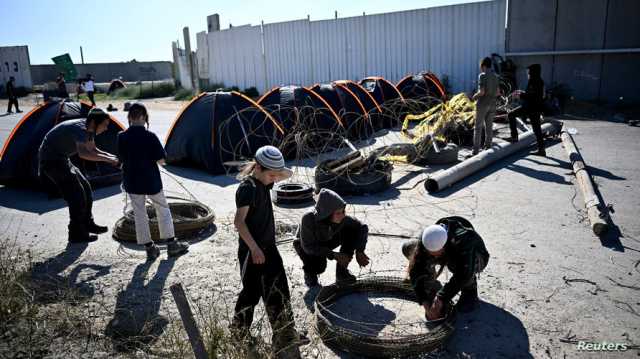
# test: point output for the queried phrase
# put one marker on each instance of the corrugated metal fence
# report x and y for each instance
(448, 41)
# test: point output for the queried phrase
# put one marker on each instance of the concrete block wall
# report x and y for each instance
(14, 61)
(105, 72)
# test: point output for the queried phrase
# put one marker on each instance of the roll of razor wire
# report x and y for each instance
(361, 341)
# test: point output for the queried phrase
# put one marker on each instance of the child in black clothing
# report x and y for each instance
(140, 152)
(262, 272)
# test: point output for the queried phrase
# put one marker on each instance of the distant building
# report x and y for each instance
(14, 61)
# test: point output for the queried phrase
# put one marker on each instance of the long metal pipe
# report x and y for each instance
(446, 178)
(597, 216)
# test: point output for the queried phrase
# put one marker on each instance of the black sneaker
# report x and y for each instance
(153, 252)
(542, 153)
(176, 248)
(343, 275)
(311, 279)
(94, 228)
(82, 238)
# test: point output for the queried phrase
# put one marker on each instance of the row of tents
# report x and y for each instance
(219, 127)
(236, 126)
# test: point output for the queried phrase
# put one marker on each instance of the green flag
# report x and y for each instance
(66, 66)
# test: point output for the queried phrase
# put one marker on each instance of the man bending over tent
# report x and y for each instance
(324, 229)
(67, 139)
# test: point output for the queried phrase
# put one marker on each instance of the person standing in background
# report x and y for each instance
(11, 93)
(485, 105)
(89, 87)
(532, 102)
(62, 86)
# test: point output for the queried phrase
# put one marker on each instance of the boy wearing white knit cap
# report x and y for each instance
(261, 268)
(451, 242)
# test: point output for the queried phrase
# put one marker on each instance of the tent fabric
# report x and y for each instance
(370, 105)
(302, 111)
(347, 105)
(420, 86)
(19, 156)
(382, 90)
(115, 85)
(220, 127)
(300, 108)
(388, 98)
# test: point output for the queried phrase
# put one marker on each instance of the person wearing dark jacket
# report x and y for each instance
(11, 93)
(62, 86)
(324, 229)
(451, 242)
(532, 102)
(63, 141)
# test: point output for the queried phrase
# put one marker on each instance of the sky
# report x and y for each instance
(119, 30)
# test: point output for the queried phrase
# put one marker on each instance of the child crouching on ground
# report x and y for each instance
(140, 152)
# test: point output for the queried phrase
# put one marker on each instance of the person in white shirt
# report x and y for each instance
(89, 88)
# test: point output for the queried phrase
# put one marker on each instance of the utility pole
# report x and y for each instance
(81, 55)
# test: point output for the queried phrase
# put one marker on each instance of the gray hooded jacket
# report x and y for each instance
(316, 231)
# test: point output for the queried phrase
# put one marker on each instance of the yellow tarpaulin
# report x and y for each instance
(391, 158)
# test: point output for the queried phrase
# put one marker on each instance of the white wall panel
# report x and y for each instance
(235, 57)
(287, 53)
(448, 41)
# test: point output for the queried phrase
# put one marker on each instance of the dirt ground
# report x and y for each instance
(550, 281)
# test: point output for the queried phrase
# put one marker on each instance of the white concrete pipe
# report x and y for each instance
(597, 217)
(446, 178)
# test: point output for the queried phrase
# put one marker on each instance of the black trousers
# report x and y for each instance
(534, 117)
(431, 286)
(90, 96)
(345, 239)
(269, 282)
(75, 190)
(13, 101)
